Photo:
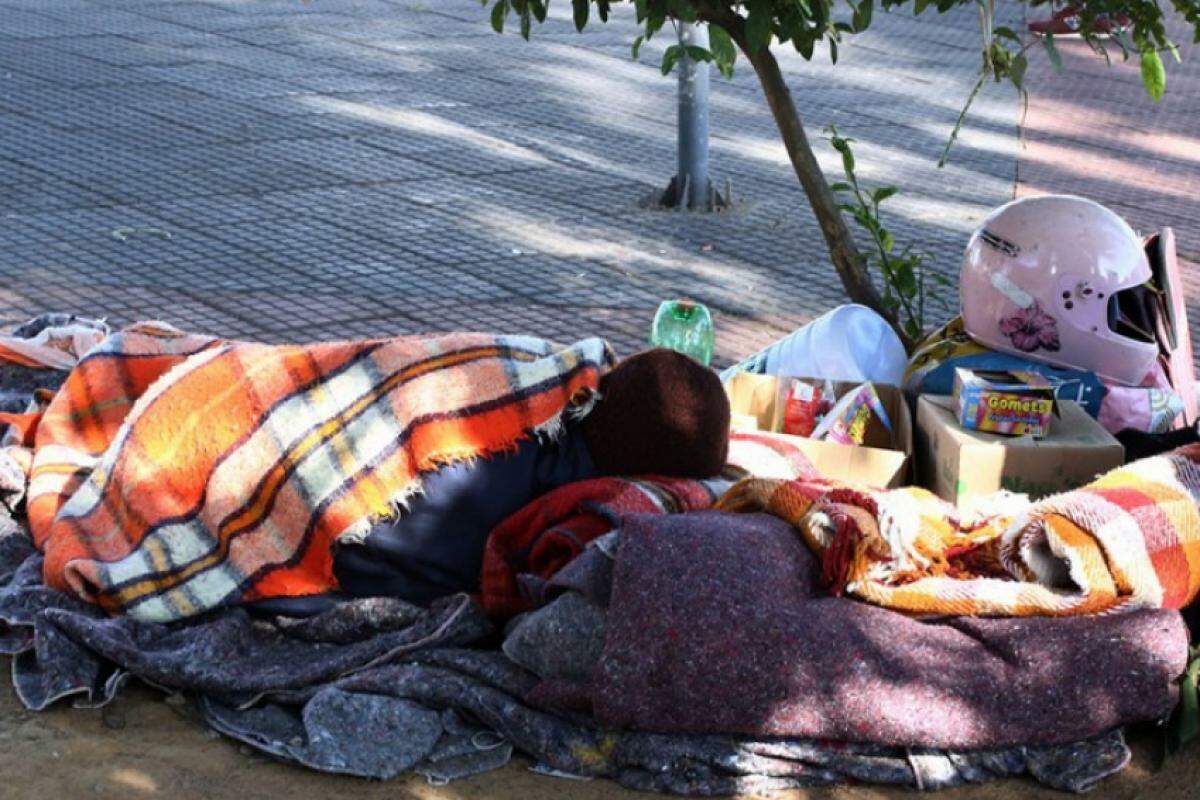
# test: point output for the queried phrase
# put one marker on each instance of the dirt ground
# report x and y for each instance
(143, 747)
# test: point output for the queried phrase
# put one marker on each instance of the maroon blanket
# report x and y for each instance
(547, 534)
(714, 627)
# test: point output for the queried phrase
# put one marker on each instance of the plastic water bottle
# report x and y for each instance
(685, 327)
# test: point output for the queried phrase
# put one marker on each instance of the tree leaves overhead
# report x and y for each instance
(750, 25)
(1154, 75)
(862, 15)
(759, 24)
(723, 49)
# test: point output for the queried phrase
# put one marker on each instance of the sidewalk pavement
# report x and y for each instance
(345, 168)
(291, 171)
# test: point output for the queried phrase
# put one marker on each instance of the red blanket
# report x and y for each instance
(547, 534)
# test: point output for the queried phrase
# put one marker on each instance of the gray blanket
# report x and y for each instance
(378, 687)
(714, 624)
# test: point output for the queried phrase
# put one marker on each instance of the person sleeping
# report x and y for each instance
(659, 413)
(177, 473)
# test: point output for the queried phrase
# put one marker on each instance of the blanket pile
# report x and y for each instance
(142, 509)
(378, 687)
(1131, 539)
(715, 624)
(711, 629)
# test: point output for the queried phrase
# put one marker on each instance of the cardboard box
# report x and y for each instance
(758, 398)
(1012, 403)
(962, 466)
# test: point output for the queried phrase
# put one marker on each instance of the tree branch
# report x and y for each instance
(849, 263)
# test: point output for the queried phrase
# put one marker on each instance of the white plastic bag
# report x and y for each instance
(850, 343)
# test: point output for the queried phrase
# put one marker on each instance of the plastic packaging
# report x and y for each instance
(857, 418)
(850, 343)
(802, 407)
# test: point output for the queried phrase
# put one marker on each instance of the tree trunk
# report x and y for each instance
(849, 263)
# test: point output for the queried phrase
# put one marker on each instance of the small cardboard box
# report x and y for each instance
(1010, 403)
(962, 465)
(756, 404)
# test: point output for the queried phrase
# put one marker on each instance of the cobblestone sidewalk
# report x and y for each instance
(293, 170)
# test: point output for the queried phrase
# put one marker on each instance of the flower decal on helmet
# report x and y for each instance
(1031, 329)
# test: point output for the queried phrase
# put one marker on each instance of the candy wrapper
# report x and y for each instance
(857, 418)
(804, 404)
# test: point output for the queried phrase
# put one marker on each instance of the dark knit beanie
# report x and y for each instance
(659, 413)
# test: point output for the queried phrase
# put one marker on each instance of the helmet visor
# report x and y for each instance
(1135, 312)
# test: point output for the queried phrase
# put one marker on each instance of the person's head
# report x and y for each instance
(659, 413)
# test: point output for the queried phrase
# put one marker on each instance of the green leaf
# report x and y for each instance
(499, 12)
(840, 186)
(1154, 75)
(883, 193)
(656, 17)
(637, 46)
(1004, 32)
(920, 5)
(862, 15)
(1016, 70)
(758, 27)
(670, 57)
(833, 50)
(847, 161)
(805, 44)
(888, 242)
(723, 49)
(1052, 51)
(907, 284)
(682, 10)
(582, 9)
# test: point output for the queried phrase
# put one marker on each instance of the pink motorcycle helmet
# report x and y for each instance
(1044, 278)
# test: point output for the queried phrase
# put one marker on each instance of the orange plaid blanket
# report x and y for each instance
(175, 473)
(1131, 539)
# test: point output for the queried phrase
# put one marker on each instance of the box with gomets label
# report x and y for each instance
(1007, 403)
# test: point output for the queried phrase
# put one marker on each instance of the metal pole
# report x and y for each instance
(692, 177)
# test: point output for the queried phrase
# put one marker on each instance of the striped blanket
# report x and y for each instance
(174, 473)
(1131, 539)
